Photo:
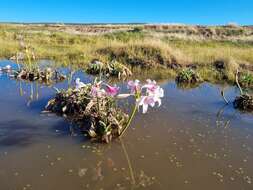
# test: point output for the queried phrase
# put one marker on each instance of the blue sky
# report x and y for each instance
(126, 11)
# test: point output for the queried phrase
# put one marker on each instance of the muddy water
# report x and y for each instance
(191, 142)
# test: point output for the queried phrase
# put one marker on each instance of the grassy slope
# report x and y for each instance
(143, 47)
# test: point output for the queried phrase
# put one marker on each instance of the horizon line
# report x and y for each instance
(120, 23)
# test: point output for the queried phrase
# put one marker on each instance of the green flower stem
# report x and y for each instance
(129, 120)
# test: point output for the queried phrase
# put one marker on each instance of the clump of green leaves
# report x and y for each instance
(246, 79)
(188, 76)
(114, 68)
(95, 67)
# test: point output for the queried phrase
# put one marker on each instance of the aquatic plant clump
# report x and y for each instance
(94, 106)
(244, 102)
(31, 71)
(46, 76)
(113, 68)
(95, 110)
(188, 76)
(246, 80)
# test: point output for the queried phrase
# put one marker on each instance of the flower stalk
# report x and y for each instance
(129, 120)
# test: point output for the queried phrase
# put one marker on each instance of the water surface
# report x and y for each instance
(191, 142)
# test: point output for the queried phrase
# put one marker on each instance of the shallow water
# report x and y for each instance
(191, 142)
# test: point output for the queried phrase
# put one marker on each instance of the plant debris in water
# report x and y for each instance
(113, 68)
(95, 107)
(188, 76)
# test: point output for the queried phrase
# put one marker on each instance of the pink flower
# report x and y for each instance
(97, 92)
(154, 93)
(146, 101)
(153, 89)
(151, 85)
(112, 90)
(134, 86)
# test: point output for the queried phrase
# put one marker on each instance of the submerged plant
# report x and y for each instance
(94, 105)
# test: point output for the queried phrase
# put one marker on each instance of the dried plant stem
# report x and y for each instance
(224, 98)
(237, 82)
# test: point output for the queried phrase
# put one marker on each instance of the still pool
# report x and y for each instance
(193, 141)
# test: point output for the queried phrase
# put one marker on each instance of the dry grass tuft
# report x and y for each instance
(144, 53)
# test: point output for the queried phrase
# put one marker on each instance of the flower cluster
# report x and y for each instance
(97, 90)
(146, 95)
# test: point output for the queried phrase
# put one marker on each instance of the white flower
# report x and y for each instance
(79, 84)
(7, 67)
(146, 101)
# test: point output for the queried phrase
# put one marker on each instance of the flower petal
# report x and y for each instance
(144, 108)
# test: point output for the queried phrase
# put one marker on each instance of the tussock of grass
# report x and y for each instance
(143, 53)
(227, 67)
